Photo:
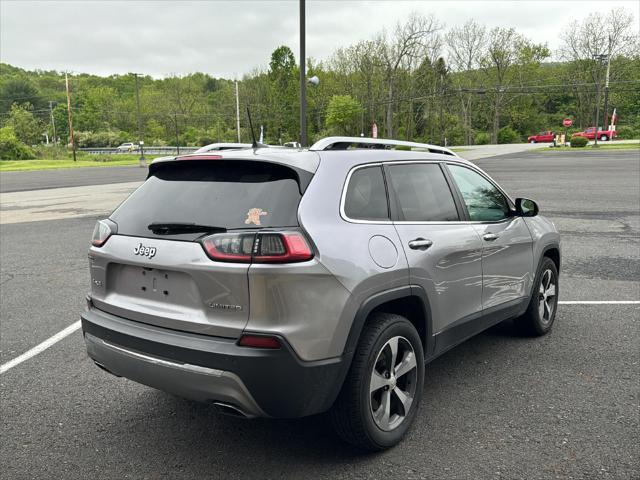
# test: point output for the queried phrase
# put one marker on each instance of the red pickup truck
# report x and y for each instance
(542, 137)
(590, 133)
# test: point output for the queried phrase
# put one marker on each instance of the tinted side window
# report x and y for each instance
(484, 201)
(423, 193)
(366, 197)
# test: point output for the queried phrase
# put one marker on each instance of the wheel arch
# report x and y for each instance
(553, 252)
(410, 301)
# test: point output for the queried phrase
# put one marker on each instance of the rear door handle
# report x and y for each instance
(490, 237)
(420, 244)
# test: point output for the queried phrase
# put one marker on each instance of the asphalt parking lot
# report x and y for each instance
(498, 406)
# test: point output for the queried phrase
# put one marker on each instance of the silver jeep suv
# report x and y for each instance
(283, 283)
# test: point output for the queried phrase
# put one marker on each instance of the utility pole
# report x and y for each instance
(237, 112)
(53, 121)
(303, 79)
(606, 95)
(73, 140)
(599, 59)
(175, 122)
(143, 162)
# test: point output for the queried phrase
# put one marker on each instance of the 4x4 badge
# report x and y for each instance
(144, 251)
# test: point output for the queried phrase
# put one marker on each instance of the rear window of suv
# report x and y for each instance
(231, 194)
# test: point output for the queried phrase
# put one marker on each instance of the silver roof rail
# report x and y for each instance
(345, 143)
(214, 147)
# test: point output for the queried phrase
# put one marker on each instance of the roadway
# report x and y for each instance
(498, 406)
(68, 177)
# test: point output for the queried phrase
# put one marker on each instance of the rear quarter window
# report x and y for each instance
(366, 195)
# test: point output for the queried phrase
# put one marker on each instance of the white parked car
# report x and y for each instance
(127, 147)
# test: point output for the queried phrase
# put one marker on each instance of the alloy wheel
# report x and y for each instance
(547, 296)
(392, 387)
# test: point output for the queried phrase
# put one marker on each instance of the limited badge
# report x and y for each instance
(253, 216)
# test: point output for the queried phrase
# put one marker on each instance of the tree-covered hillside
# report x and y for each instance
(463, 85)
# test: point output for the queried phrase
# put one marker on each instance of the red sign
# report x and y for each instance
(567, 122)
(374, 130)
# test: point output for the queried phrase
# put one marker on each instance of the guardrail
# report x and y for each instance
(147, 150)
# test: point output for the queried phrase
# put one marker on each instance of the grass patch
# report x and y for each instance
(83, 161)
(601, 146)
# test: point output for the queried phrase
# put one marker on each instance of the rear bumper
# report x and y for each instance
(258, 382)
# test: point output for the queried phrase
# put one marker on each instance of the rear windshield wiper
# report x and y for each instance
(182, 227)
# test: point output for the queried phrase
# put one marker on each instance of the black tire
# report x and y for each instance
(352, 414)
(533, 323)
(604, 138)
(532, 141)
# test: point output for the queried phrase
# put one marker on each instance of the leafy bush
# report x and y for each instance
(205, 140)
(11, 148)
(579, 142)
(454, 133)
(482, 138)
(52, 152)
(105, 157)
(105, 138)
(189, 136)
(508, 135)
(100, 157)
(627, 132)
(157, 142)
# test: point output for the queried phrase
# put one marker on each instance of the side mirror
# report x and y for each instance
(526, 207)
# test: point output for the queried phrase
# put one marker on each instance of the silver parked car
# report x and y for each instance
(275, 282)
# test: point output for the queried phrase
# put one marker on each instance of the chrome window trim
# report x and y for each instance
(470, 166)
(343, 197)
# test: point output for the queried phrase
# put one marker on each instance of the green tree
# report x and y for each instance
(26, 127)
(283, 95)
(508, 56)
(466, 45)
(343, 114)
(11, 148)
(19, 90)
(97, 108)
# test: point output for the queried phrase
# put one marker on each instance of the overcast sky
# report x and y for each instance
(232, 38)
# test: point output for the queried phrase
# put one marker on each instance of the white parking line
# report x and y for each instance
(40, 348)
(75, 326)
(599, 302)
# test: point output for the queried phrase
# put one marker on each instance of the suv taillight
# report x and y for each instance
(267, 247)
(230, 247)
(283, 247)
(101, 232)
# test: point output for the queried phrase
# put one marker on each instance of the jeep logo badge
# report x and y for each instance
(144, 251)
